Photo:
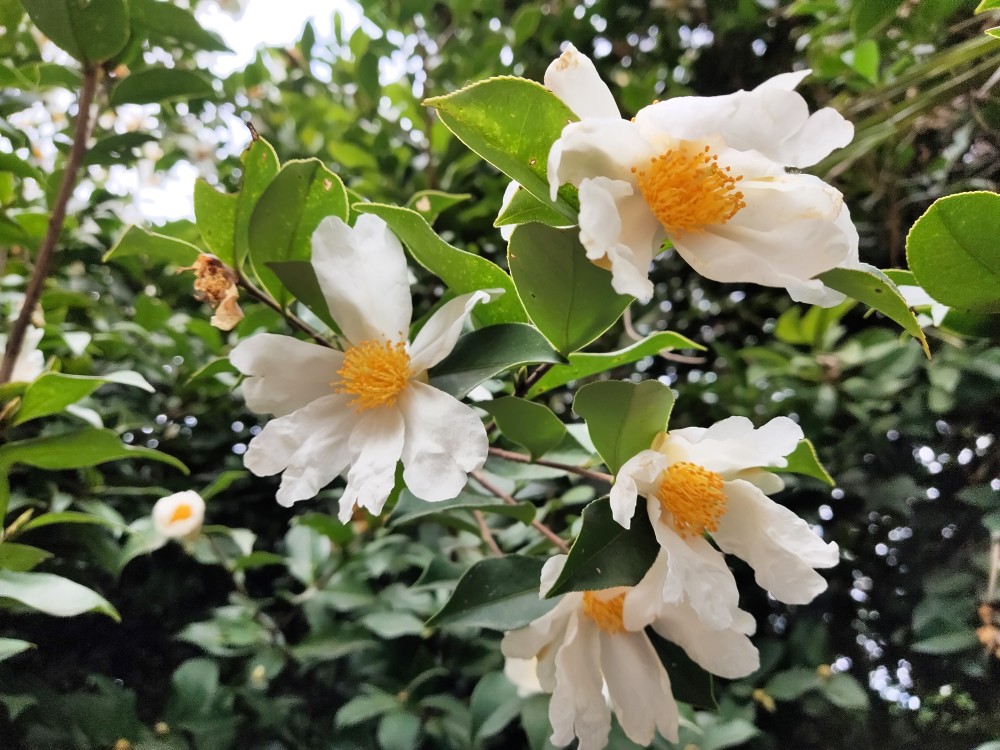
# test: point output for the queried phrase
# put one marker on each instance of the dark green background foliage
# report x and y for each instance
(314, 636)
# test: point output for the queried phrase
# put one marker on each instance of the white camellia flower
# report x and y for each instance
(714, 480)
(180, 515)
(709, 175)
(592, 654)
(30, 361)
(358, 412)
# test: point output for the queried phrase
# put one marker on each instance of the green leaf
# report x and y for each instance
(15, 165)
(398, 730)
(803, 460)
(222, 482)
(121, 148)
(500, 593)
(21, 557)
(511, 123)
(411, 508)
(69, 516)
(524, 208)
(53, 595)
(73, 450)
(528, 424)
(12, 647)
(865, 58)
(689, 683)
(215, 214)
(91, 32)
(482, 354)
(986, 5)
(792, 684)
(624, 418)
(952, 250)
(299, 278)
(432, 203)
(157, 247)
(52, 392)
(605, 554)
(462, 271)
(844, 691)
(493, 705)
(260, 165)
(565, 295)
(874, 289)
(157, 85)
(584, 364)
(281, 226)
(365, 707)
(171, 21)
(947, 643)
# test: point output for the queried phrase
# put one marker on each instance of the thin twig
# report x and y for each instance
(533, 377)
(544, 530)
(486, 534)
(523, 458)
(294, 320)
(43, 261)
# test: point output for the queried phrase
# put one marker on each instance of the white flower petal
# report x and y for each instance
(30, 361)
(577, 707)
(574, 79)
(437, 338)
(603, 147)
(179, 515)
(362, 272)
(445, 440)
(508, 195)
(732, 446)
(551, 571)
(644, 601)
(285, 373)
(310, 445)
(776, 543)
(638, 687)
(637, 476)
(727, 653)
(376, 444)
(527, 642)
(523, 675)
(616, 225)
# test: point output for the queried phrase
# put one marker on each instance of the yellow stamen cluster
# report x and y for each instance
(693, 495)
(374, 372)
(181, 513)
(606, 613)
(687, 190)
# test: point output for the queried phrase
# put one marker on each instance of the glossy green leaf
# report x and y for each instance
(53, 595)
(844, 691)
(463, 272)
(500, 593)
(605, 554)
(524, 208)
(16, 165)
(482, 354)
(158, 85)
(260, 165)
(952, 250)
(566, 296)
(411, 508)
(299, 278)
(689, 683)
(157, 247)
(584, 364)
(281, 226)
(986, 5)
(792, 683)
(73, 450)
(21, 557)
(171, 21)
(432, 203)
(803, 460)
(947, 643)
(874, 289)
(121, 148)
(526, 423)
(69, 516)
(52, 392)
(215, 213)
(91, 32)
(12, 647)
(624, 418)
(511, 123)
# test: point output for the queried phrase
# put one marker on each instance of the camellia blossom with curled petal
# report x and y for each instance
(592, 654)
(710, 175)
(179, 516)
(699, 481)
(359, 411)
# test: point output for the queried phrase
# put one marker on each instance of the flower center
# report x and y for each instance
(181, 513)
(374, 372)
(694, 497)
(687, 190)
(606, 613)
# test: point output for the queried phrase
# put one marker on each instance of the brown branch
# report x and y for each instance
(522, 458)
(486, 534)
(293, 320)
(544, 530)
(533, 377)
(43, 261)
